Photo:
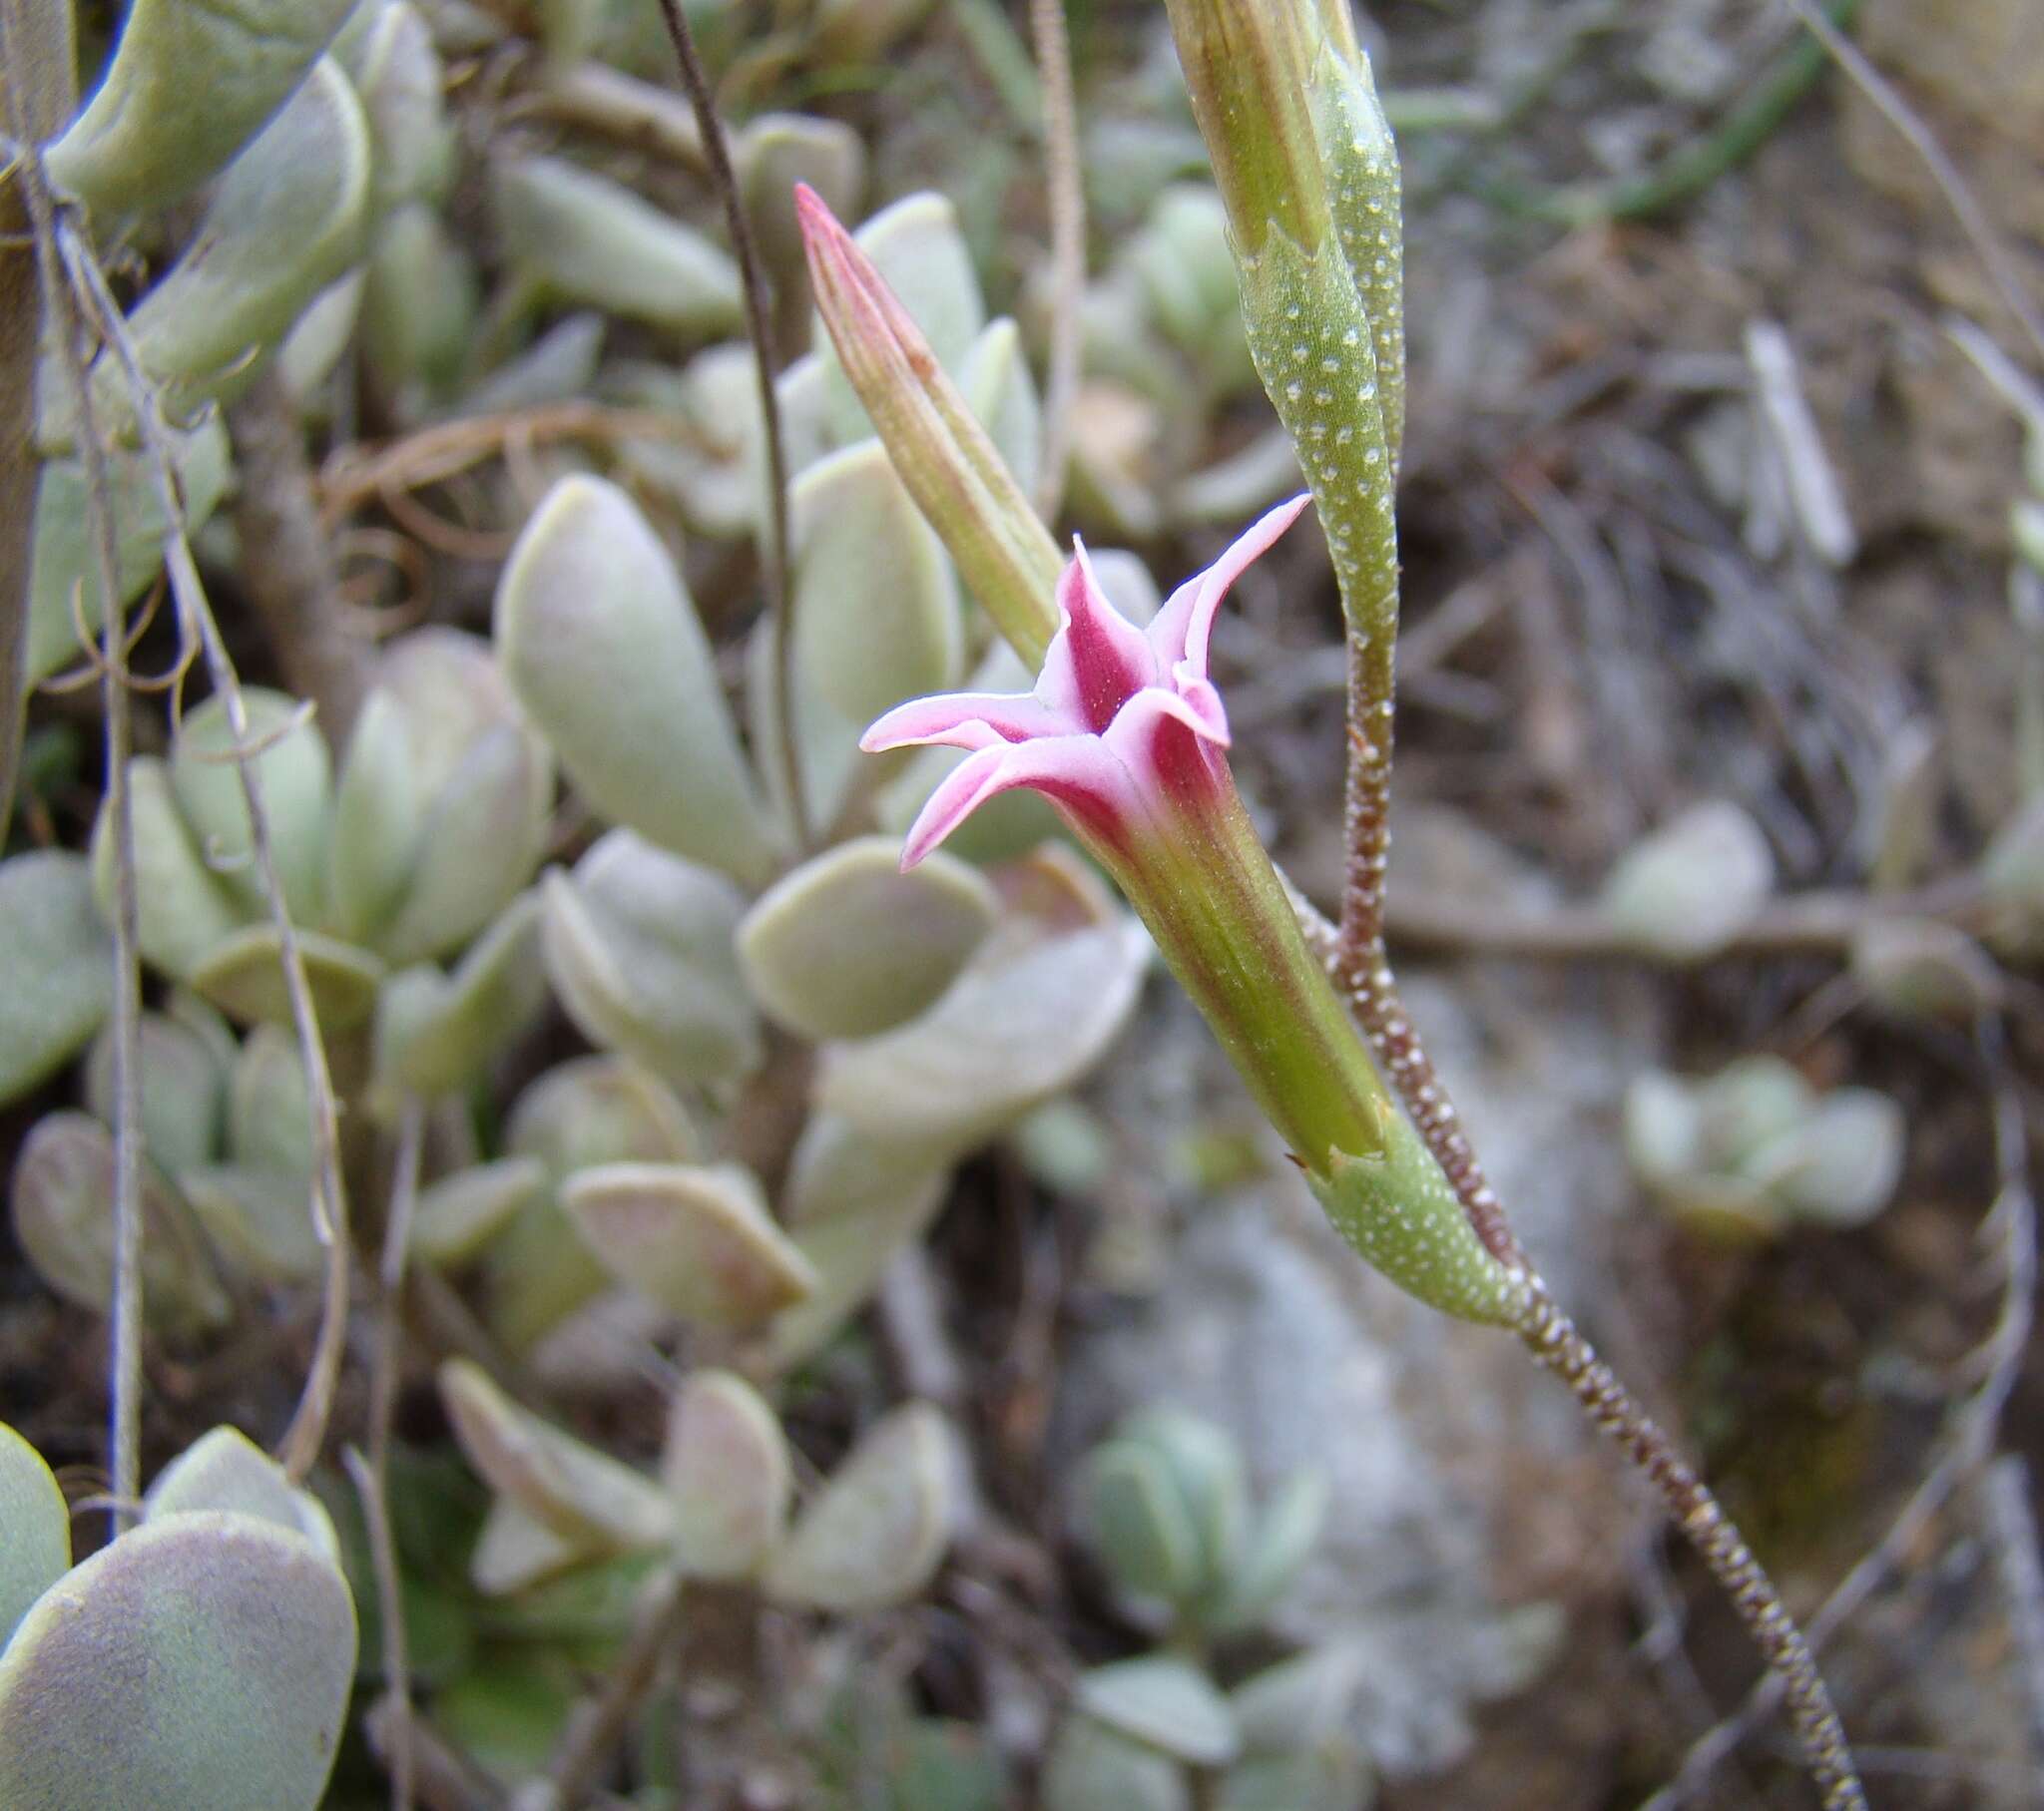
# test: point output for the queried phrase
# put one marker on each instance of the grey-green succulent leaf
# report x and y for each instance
(727, 1469)
(1300, 1703)
(188, 88)
(1165, 1701)
(1201, 1467)
(640, 947)
(1842, 1166)
(64, 584)
(37, 1550)
(259, 1220)
(776, 150)
(479, 842)
(459, 1215)
(1687, 890)
(517, 1550)
(594, 242)
(396, 71)
(289, 761)
(605, 649)
(200, 1660)
(436, 1033)
(876, 1531)
(225, 1470)
(1139, 1525)
(876, 608)
(581, 1494)
(997, 386)
(184, 908)
(243, 975)
(63, 1204)
(696, 1241)
(1093, 1768)
(847, 946)
(420, 300)
(61, 977)
(378, 811)
(1013, 1030)
(1279, 1545)
(1333, 1777)
(288, 219)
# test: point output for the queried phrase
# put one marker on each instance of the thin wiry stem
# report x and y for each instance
(1067, 247)
(373, 1475)
(777, 567)
(124, 1332)
(1366, 980)
(308, 1431)
(1971, 1439)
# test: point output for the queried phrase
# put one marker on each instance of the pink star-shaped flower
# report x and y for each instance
(1123, 729)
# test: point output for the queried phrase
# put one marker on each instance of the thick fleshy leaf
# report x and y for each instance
(63, 1200)
(592, 241)
(226, 1470)
(1165, 1701)
(187, 86)
(376, 813)
(727, 1469)
(37, 1550)
(185, 909)
(317, 340)
(775, 152)
(1301, 1702)
(1138, 1523)
(576, 1491)
(64, 568)
(296, 782)
(595, 1109)
(259, 1220)
(640, 946)
(459, 1215)
(1280, 1542)
(1331, 1777)
(1093, 1768)
(436, 1033)
(603, 646)
(1842, 1166)
(849, 1249)
(875, 600)
(286, 220)
(876, 1531)
(182, 1090)
(1203, 1467)
(1694, 885)
(998, 389)
(848, 945)
(698, 1241)
(202, 1659)
(479, 842)
(1011, 1032)
(243, 975)
(516, 1551)
(60, 965)
(396, 71)
(420, 298)
(270, 1112)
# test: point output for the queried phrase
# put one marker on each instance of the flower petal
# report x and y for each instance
(965, 719)
(1157, 733)
(1180, 632)
(1075, 771)
(1097, 659)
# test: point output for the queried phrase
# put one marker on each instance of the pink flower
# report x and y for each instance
(1124, 732)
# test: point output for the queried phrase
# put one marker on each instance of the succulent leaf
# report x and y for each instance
(876, 1531)
(695, 1240)
(436, 1033)
(461, 1214)
(188, 88)
(200, 1660)
(604, 648)
(1280, 1542)
(225, 1470)
(727, 1469)
(848, 945)
(183, 1090)
(1165, 1701)
(185, 909)
(37, 1550)
(1695, 884)
(60, 980)
(1093, 1768)
(242, 974)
